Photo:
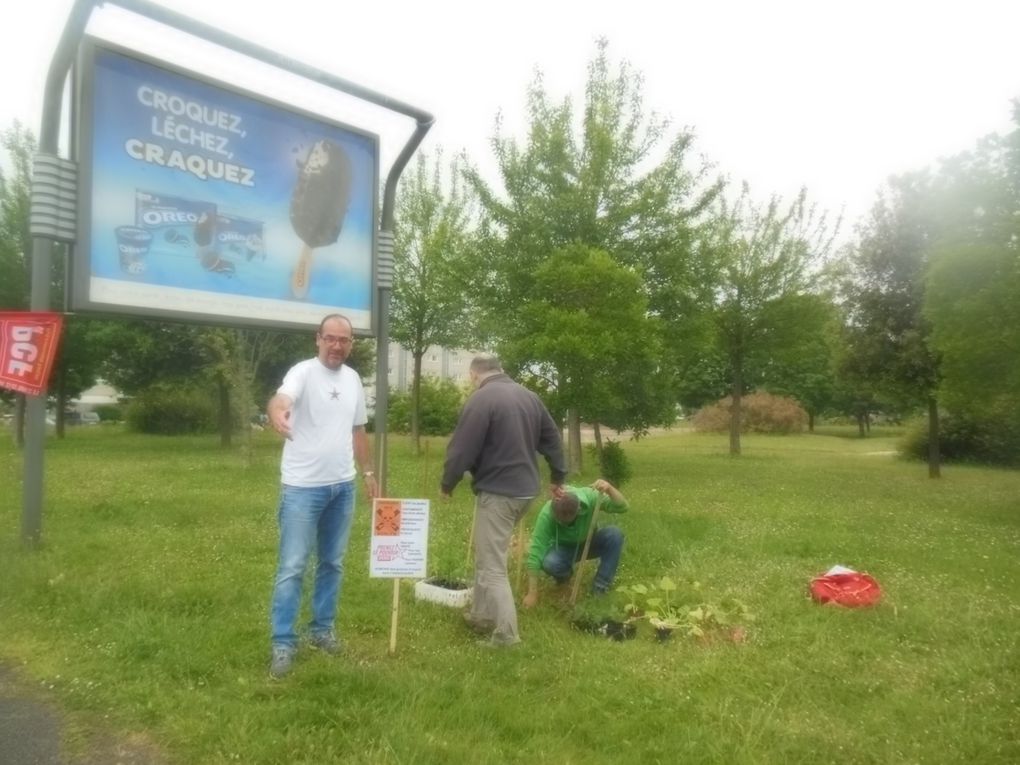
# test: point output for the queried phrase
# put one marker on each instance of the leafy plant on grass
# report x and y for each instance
(668, 608)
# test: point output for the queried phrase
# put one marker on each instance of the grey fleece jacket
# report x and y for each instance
(501, 430)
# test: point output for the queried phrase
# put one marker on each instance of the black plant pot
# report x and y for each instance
(663, 634)
(608, 628)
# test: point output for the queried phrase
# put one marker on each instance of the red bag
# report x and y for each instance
(850, 590)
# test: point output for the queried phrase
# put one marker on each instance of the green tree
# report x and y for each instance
(431, 293)
(972, 297)
(765, 256)
(588, 334)
(888, 334)
(19, 146)
(802, 365)
(614, 181)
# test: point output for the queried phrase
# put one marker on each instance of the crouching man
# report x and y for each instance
(561, 528)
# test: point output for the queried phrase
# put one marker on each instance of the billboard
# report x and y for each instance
(202, 202)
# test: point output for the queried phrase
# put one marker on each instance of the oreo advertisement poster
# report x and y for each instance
(205, 203)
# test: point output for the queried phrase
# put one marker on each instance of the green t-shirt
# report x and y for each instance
(549, 532)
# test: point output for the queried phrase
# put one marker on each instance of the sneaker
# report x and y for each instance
(326, 642)
(282, 662)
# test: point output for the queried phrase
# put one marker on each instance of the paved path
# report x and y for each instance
(31, 732)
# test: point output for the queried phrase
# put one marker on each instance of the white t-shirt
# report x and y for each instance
(328, 405)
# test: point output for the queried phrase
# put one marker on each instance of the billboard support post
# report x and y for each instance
(42, 259)
(42, 246)
(385, 285)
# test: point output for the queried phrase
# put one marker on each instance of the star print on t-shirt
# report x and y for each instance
(334, 395)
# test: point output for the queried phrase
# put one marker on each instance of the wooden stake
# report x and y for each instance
(584, 554)
(522, 540)
(394, 613)
(471, 538)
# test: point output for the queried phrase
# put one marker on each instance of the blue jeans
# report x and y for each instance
(606, 545)
(310, 517)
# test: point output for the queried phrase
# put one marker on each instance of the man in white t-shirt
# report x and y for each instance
(320, 410)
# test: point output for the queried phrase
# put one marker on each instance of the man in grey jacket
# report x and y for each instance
(502, 429)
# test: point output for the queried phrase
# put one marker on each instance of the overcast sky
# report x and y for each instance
(835, 96)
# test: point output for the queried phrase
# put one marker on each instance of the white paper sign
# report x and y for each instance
(400, 538)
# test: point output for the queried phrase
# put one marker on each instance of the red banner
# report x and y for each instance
(28, 346)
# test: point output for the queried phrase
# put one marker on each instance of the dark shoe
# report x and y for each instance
(282, 662)
(326, 642)
(498, 643)
(478, 626)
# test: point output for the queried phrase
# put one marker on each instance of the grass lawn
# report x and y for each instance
(146, 612)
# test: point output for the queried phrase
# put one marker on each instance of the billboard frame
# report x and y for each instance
(84, 119)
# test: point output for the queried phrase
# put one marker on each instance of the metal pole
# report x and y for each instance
(385, 286)
(42, 259)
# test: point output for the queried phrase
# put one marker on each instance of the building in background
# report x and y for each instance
(99, 394)
(441, 363)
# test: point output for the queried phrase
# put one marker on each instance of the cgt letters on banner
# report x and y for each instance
(28, 348)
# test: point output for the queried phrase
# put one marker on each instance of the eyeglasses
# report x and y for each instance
(336, 339)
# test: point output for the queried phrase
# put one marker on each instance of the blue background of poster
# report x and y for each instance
(137, 114)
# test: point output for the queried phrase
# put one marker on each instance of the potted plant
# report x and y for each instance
(655, 604)
(451, 587)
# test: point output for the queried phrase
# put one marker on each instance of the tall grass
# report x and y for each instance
(146, 611)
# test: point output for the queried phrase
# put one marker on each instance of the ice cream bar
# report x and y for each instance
(319, 201)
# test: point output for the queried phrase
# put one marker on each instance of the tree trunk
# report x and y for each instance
(737, 395)
(860, 425)
(598, 441)
(810, 422)
(246, 351)
(58, 416)
(867, 422)
(226, 425)
(416, 404)
(19, 420)
(934, 455)
(574, 462)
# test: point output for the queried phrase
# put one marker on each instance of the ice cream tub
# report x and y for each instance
(240, 237)
(132, 248)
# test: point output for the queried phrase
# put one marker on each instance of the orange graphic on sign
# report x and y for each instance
(387, 518)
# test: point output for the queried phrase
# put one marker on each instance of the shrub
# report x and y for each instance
(967, 438)
(760, 412)
(172, 411)
(110, 412)
(441, 401)
(613, 463)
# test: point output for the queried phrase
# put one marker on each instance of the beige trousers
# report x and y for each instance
(493, 600)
